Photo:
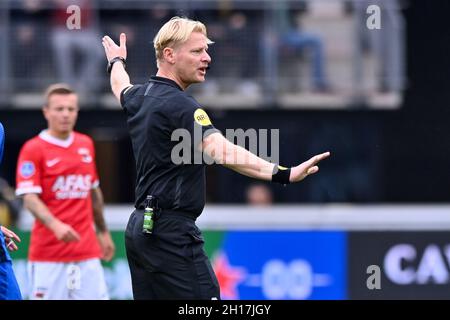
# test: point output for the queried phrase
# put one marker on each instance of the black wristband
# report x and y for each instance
(281, 174)
(114, 60)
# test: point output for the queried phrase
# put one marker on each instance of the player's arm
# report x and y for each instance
(97, 206)
(41, 212)
(103, 234)
(119, 77)
(244, 162)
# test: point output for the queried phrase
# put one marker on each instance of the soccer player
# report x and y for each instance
(9, 288)
(57, 177)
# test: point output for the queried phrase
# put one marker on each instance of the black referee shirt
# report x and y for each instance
(154, 111)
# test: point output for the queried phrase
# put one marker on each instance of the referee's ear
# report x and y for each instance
(168, 55)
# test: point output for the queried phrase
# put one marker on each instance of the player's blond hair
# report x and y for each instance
(175, 31)
(57, 88)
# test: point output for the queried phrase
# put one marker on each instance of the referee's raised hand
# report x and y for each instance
(112, 50)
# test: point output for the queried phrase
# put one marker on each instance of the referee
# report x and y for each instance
(165, 254)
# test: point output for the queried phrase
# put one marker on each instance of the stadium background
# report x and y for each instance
(389, 145)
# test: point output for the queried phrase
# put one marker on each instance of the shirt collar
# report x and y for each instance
(44, 135)
(166, 81)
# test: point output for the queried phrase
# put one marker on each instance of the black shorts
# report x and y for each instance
(170, 263)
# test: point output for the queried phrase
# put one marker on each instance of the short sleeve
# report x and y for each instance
(28, 175)
(127, 95)
(197, 122)
(193, 124)
(192, 117)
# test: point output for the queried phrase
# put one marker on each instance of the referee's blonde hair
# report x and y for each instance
(175, 31)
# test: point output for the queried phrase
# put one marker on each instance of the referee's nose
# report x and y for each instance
(206, 57)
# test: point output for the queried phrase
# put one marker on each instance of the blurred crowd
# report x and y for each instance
(267, 47)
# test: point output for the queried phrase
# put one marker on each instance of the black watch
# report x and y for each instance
(114, 60)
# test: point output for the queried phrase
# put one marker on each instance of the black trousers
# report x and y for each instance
(170, 263)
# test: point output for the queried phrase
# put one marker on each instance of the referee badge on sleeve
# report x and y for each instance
(201, 117)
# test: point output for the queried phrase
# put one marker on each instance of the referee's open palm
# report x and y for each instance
(112, 50)
(306, 168)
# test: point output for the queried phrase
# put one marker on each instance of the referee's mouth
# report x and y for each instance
(203, 70)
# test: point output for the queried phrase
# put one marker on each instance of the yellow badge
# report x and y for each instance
(282, 168)
(201, 117)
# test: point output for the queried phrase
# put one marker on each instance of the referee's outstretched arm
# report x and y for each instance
(241, 160)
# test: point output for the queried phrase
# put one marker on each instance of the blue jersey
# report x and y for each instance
(2, 141)
(4, 256)
(9, 289)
